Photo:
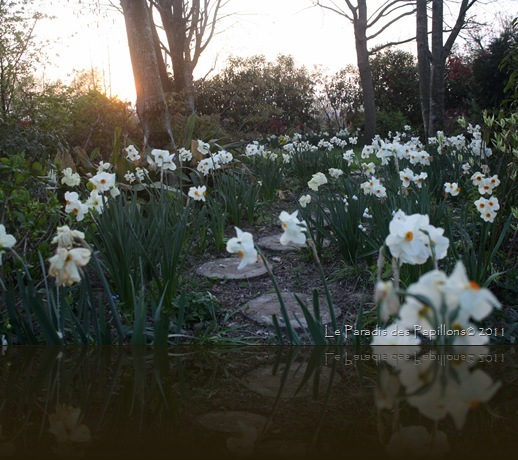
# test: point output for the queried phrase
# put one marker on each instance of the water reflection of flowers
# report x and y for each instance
(244, 444)
(436, 388)
(416, 442)
(66, 427)
(7, 448)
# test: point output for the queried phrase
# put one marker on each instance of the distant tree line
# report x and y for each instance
(250, 97)
(255, 96)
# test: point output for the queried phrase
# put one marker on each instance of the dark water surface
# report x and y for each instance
(258, 402)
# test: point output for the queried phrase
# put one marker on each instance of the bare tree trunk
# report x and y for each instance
(437, 75)
(151, 104)
(175, 24)
(189, 28)
(362, 53)
(439, 52)
(167, 84)
(177, 29)
(423, 62)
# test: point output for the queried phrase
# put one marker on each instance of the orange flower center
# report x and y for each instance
(409, 236)
(240, 254)
(474, 404)
(474, 285)
(424, 311)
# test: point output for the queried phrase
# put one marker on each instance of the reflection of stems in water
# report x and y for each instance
(115, 379)
(311, 447)
(313, 367)
(51, 365)
(395, 422)
(293, 351)
(291, 356)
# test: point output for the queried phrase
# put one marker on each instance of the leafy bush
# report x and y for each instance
(29, 204)
(254, 96)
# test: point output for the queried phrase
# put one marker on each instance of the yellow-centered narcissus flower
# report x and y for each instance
(243, 246)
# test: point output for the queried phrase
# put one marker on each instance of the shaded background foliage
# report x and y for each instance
(252, 95)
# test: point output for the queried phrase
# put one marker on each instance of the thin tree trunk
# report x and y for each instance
(189, 87)
(171, 13)
(437, 75)
(151, 104)
(362, 52)
(167, 84)
(423, 62)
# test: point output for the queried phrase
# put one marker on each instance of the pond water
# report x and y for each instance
(258, 402)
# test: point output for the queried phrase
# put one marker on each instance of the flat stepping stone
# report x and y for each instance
(273, 243)
(227, 269)
(227, 421)
(267, 380)
(262, 308)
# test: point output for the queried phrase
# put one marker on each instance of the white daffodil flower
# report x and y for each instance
(198, 193)
(243, 246)
(66, 237)
(478, 302)
(70, 178)
(132, 153)
(304, 200)
(7, 241)
(65, 265)
(293, 228)
(317, 180)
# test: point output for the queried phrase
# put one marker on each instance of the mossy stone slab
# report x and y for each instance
(273, 243)
(227, 269)
(272, 381)
(262, 308)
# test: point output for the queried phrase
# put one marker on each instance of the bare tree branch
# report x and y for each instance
(459, 24)
(336, 9)
(388, 24)
(378, 48)
(387, 10)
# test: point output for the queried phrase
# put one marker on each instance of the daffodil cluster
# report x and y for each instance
(439, 308)
(437, 386)
(407, 177)
(162, 159)
(214, 161)
(101, 183)
(67, 263)
(412, 240)
(243, 243)
(374, 187)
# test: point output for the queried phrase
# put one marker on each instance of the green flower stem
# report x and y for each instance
(311, 244)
